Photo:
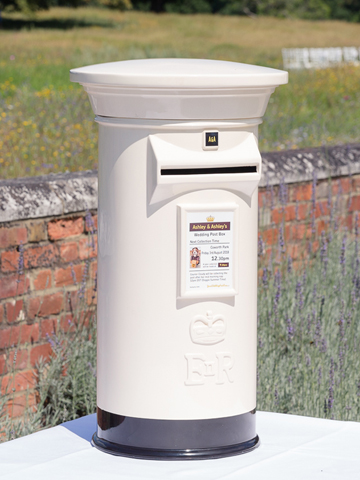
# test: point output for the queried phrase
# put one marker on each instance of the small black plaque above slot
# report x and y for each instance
(211, 139)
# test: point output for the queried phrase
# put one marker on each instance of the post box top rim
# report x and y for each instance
(178, 73)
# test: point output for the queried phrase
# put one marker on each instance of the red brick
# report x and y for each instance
(44, 256)
(89, 227)
(341, 186)
(69, 251)
(42, 280)
(46, 305)
(88, 247)
(64, 228)
(64, 276)
(321, 226)
(270, 236)
(355, 204)
(288, 214)
(19, 334)
(67, 322)
(39, 351)
(37, 231)
(301, 231)
(12, 236)
(19, 382)
(34, 257)
(47, 327)
(303, 211)
(72, 301)
(1, 313)
(11, 286)
(18, 404)
(29, 333)
(33, 307)
(15, 360)
(262, 198)
(10, 261)
(9, 337)
(13, 310)
(301, 192)
(321, 209)
(91, 296)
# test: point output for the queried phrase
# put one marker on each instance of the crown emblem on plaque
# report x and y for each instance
(210, 218)
(208, 329)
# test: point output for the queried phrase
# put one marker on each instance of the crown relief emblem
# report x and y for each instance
(210, 218)
(208, 329)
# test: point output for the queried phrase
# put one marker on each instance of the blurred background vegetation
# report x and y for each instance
(46, 123)
(308, 9)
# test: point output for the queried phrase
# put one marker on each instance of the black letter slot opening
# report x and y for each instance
(209, 170)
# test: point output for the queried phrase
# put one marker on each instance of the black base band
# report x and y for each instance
(175, 439)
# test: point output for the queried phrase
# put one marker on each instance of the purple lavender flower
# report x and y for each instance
(283, 194)
(308, 360)
(20, 266)
(290, 330)
(330, 402)
(289, 264)
(323, 347)
(261, 246)
(313, 202)
(265, 277)
(343, 255)
(281, 242)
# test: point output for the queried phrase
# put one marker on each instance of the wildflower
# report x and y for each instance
(289, 265)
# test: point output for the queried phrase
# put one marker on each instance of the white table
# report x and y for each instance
(291, 448)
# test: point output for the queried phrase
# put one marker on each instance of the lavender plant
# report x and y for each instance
(309, 334)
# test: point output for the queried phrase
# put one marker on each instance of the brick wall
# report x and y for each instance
(48, 243)
(41, 260)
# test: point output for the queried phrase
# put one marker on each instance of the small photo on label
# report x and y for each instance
(195, 258)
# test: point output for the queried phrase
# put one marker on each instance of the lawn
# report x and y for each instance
(46, 123)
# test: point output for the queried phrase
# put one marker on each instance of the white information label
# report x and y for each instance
(209, 251)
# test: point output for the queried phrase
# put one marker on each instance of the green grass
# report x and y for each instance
(47, 124)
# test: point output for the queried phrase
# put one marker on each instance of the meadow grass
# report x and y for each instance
(46, 122)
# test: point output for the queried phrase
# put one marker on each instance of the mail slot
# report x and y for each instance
(179, 168)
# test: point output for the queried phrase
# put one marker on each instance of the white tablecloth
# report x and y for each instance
(291, 448)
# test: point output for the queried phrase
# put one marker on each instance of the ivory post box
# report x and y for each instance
(179, 168)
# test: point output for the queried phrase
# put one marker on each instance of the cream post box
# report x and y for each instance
(179, 168)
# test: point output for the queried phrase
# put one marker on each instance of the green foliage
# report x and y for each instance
(307, 9)
(188, 6)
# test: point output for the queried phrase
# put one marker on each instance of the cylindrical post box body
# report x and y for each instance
(177, 271)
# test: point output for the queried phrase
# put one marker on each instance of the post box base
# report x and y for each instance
(175, 439)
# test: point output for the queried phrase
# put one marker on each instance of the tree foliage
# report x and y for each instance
(307, 9)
